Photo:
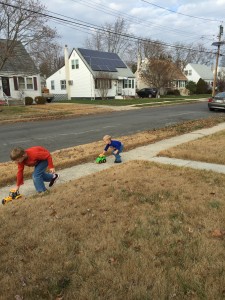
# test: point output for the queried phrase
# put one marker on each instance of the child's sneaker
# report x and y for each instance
(56, 176)
(117, 161)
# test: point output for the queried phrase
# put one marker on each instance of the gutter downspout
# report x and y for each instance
(67, 71)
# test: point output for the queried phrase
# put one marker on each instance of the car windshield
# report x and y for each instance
(220, 95)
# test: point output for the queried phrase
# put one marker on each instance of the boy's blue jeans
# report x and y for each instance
(40, 176)
(117, 155)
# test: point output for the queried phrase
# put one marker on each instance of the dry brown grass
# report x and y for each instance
(113, 236)
(48, 112)
(84, 153)
(207, 149)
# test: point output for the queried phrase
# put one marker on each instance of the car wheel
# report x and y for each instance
(150, 96)
(211, 109)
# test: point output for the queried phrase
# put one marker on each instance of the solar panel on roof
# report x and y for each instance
(95, 67)
(102, 61)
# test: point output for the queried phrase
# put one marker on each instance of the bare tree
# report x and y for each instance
(51, 63)
(111, 38)
(22, 21)
(182, 54)
(153, 50)
(103, 82)
(158, 73)
(49, 57)
(95, 41)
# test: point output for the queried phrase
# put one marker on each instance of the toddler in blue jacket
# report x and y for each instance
(117, 147)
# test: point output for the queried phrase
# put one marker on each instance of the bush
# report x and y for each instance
(202, 87)
(191, 86)
(28, 100)
(173, 92)
(40, 100)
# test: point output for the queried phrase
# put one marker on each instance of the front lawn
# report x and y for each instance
(136, 101)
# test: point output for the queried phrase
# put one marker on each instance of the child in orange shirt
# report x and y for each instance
(39, 158)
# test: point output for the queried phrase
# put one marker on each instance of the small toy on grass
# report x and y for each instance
(13, 195)
(101, 159)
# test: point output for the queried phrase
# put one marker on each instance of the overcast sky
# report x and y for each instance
(169, 21)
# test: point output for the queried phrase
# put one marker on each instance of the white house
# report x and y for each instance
(84, 72)
(19, 76)
(194, 72)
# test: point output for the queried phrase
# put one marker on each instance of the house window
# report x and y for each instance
(128, 83)
(52, 84)
(190, 72)
(29, 83)
(75, 63)
(182, 84)
(186, 72)
(101, 83)
(63, 84)
(21, 82)
(25, 83)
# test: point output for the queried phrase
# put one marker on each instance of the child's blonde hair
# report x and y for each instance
(17, 153)
(107, 137)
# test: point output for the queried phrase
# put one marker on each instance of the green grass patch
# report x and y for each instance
(11, 110)
(136, 101)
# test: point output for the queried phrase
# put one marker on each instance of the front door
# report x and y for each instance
(5, 86)
(119, 87)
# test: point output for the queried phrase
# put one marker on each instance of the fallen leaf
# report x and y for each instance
(17, 297)
(190, 230)
(218, 233)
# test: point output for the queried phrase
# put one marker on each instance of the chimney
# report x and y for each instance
(67, 71)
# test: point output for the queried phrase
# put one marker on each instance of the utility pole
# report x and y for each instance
(218, 44)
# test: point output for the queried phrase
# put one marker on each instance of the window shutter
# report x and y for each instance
(35, 84)
(15, 83)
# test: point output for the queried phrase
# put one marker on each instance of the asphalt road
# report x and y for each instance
(59, 134)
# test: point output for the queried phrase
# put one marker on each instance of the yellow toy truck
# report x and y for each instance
(13, 195)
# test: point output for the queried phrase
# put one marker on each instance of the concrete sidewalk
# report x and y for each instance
(148, 152)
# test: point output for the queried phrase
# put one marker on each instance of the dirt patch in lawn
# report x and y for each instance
(207, 149)
(86, 153)
(116, 235)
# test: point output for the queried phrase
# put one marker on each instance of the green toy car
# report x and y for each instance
(101, 159)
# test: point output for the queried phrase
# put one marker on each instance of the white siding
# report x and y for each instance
(82, 83)
(194, 76)
(56, 77)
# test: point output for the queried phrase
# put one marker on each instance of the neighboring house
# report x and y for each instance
(19, 76)
(178, 82)
(87, 72)
(194, 72)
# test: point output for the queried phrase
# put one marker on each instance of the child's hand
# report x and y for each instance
(52, 170)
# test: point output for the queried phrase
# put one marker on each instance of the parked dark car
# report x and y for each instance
(217, 102)
(147, 93)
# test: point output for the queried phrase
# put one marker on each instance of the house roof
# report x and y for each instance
(178, 75)
(99, 61)
(19, 62)
(203, 71)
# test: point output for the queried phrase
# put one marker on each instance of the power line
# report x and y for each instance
(129, 18)
(90, 26)
(190, 16)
